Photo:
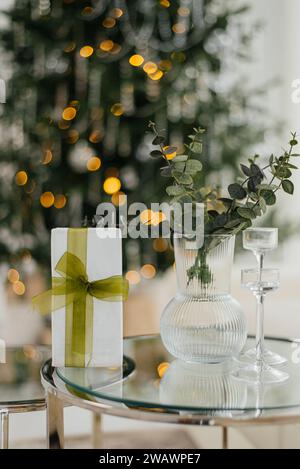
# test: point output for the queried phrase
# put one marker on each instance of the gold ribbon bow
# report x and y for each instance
(75, 292)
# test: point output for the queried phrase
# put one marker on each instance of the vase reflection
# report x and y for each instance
(210, 387)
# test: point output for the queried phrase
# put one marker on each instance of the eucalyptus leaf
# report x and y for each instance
(269, 196)
(246, 213)
(193, 166)
(233, 223)
(245, 170)
(158, 140)
(175, 190)
(179, 167)
(262, 204)
(169, 150)
(196, 147)
(288, 186)
(179, 158)
(156, 154)
(236, 191)
(182, 178)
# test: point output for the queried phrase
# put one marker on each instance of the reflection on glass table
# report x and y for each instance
(158, 381)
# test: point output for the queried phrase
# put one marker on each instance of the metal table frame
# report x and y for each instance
(9, 408)
(57, 399)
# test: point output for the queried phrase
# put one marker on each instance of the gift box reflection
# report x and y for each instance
(209, 387)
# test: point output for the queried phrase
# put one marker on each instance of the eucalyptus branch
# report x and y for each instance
(247, 200)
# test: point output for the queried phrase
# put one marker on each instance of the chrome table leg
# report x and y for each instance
(55, 422)
(4, 420)
(224, 438)
(96, 431)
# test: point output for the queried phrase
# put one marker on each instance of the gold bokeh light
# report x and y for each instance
(47, 199)
(60, 201)
(21, 178)
(148, 271)
(150, 67)
(13, 275)
(106, 45)
(111, 185)
(133, 277)
(69, 113)
(109, 22)
(156, 76)
(86, 51)
(117, 109)
(93, 163)
(19, 288)
(118, 198)
(136, 60)
(162, 368)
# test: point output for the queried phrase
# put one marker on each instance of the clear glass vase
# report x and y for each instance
(203, 322)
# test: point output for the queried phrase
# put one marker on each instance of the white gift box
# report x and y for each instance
(103, 260)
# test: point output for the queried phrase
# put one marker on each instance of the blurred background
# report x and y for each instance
(82, 81)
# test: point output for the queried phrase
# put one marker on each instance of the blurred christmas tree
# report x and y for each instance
(86, 77)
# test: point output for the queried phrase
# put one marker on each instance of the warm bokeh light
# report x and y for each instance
(183, 11)
(116, 12)
(162, 368)
(73, 136)
(48, 156)
(136, 60)
(160, 244)
(95, 136)
(63, 125)
(133, 277)
(109, 22)
(158, 217)
(165, 65)
(111, 185)
(86, 51)
(170, 156)
(21, 178)
(47, 199)
(165, 3)
(70, 47)
(118, 199)
(69, 113)
(147, 216)
(116, 49)
(13, 275)
(150, 67)
(87, 11)
(117, 109)
(156, 76)
(106, 45)
(93, 163)
(178, 28)
(148, 271)
(19, 288)
(60, 201)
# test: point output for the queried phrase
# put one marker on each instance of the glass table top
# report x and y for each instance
(20, 381)
(152, 378)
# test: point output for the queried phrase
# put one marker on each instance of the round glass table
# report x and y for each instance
(152, 385)
(20, 384)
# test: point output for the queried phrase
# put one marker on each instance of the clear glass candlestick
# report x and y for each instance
(260, 282)
(260, 241)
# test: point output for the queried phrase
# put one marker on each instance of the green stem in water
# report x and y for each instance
(200, 269)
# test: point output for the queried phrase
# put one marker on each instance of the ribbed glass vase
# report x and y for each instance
(203, 322)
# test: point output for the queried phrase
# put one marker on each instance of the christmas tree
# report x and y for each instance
(86, 77)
